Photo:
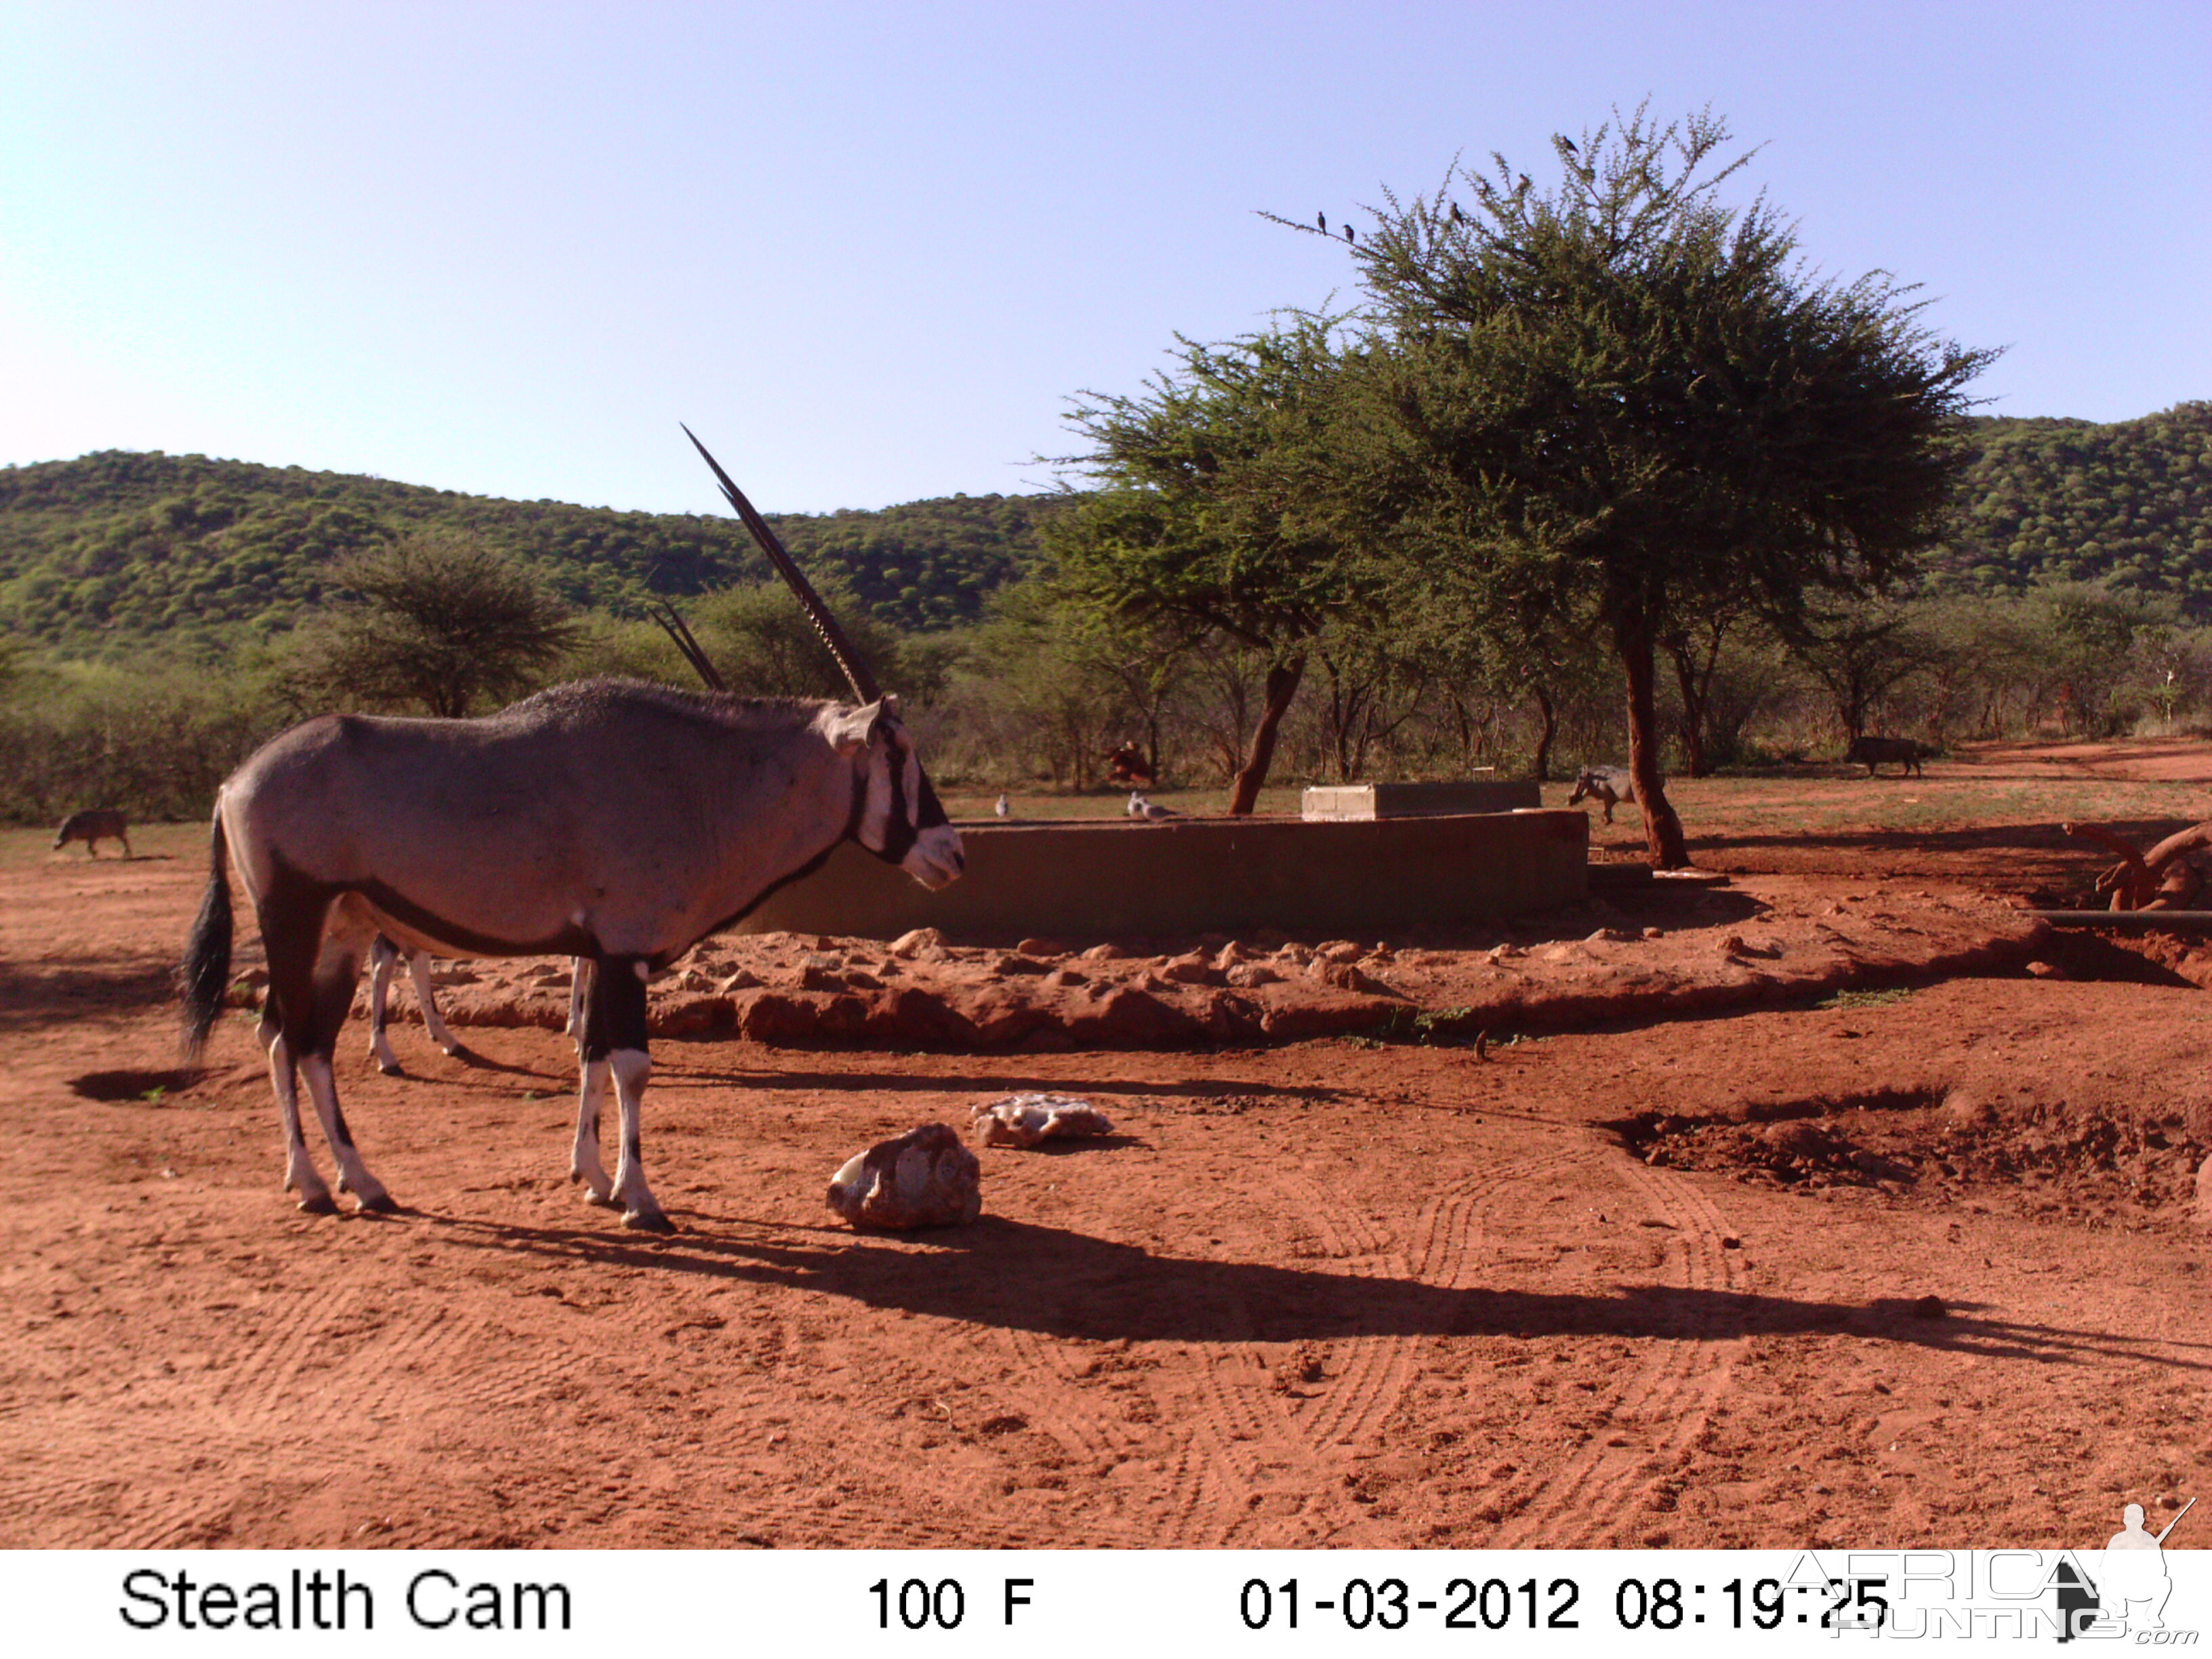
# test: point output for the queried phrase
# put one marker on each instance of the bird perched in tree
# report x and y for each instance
(1458, 218)
(1004, 809)
(1322, 219)
(1348, 233)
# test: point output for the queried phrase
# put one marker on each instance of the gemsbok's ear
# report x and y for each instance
(850, 729)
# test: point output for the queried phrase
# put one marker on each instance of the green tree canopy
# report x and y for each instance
(443, 622)
(1623, 394)
(1218, 508)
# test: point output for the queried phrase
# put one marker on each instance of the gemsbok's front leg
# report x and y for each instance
(614, 1044)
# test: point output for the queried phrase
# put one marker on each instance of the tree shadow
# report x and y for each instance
(34, 996)
(2042, 842)
(1021, 1276)
(895, 1082)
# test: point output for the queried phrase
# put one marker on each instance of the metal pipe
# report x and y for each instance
(2140, 921)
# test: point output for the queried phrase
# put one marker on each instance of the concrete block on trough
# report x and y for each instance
(1341, 802)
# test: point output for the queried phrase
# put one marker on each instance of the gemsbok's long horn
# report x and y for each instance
(856, 671)
(674, 625)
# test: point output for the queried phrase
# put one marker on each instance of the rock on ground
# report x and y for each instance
(925, 1178)
(1025, 1120)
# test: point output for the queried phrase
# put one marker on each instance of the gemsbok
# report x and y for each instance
(611, 820)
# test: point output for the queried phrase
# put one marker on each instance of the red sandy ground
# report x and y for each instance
(1708, 1256)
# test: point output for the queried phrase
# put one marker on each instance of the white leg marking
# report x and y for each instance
(632, 1067)
(434, 1023)
(301, 1174)
(353, 1174)
(381, 961)
(584, 1164)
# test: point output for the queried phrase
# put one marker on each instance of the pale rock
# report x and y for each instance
(925, 1178)
(914, 942)
(1025, 1120)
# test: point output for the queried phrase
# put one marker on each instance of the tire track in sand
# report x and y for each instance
(1581, 1503)
(1256, 1432)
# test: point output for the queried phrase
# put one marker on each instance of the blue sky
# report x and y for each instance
(869, 251)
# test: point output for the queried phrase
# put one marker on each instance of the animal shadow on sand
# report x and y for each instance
(1019, 1275)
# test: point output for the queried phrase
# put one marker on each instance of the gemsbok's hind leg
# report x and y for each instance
(583, 1163)
(301, 1174)
(615, 1045)
(580, 991)
(434, 1023)
(383, 957)
(337, 969)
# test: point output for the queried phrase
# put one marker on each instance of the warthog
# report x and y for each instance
(1873, 751)
(1609, 784)
(101, 824)
(1125, 763)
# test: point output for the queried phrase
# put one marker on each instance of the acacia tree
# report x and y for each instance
(1622, 394)
(1216, 508)
(442, 621)
(765, 645)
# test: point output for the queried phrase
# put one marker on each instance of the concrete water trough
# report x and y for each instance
(1082, 882)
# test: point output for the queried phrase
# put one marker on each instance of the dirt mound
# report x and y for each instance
(2035, 1160)
(1668, 949)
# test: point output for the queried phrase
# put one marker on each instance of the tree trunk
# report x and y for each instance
(1282, 685)
(1550, 731)
(1662, 830)
(1695, 681)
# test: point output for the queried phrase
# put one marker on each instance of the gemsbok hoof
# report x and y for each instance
(393, 1070)
(382, 1204)
(648, 1221)
(321, 1204)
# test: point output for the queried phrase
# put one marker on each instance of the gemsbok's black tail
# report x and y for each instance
(205, 972)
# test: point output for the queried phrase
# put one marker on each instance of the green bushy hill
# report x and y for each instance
(114, 548)
(101, 553)
(2129, 501)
